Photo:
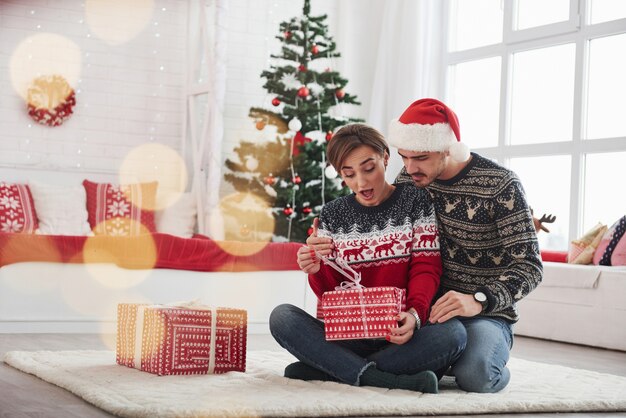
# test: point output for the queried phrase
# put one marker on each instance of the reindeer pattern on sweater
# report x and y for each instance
(488, 240)
(393, 244)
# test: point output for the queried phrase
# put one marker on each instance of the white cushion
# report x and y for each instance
(61, 210)
(178, 218)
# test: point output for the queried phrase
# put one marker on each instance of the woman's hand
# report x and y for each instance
(323, 245)
(454, 304)
(405, 331)
(307, 260)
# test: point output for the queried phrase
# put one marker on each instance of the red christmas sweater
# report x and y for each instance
(393, 244)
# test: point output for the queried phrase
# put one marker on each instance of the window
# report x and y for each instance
(533, 13)
(542, 94)
(538, 86)
(605, 103)
(480, 125)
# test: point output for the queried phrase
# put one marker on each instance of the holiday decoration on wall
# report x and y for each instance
(50, 100)
(306, 97)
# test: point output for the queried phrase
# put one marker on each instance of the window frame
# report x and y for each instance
(578, 30)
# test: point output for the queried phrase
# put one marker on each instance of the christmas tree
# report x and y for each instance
(290, 171)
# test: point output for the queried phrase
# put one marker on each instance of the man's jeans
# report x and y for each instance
(482, 366)
(433, 347)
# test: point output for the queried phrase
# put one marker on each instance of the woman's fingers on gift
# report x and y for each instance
(307, 260)
(396, 337)
(324, 246)
(402, 333)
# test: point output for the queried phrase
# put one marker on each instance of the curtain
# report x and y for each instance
(408, 64)
(214, 224)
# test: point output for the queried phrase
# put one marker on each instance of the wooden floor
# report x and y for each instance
(23, 395)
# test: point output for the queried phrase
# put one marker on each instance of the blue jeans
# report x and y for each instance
(433, 347)
(482, 366)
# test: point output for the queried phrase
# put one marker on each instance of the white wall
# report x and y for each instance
(127, 94)
(124, 99)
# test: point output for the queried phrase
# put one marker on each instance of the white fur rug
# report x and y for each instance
(262, 391)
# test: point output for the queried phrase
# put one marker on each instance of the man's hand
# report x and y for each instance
(454, 304)
(405, 331)
(323, 245)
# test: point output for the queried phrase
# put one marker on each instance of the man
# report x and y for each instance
(489, 245)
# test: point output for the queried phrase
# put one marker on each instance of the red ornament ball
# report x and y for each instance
(287, 34)
(269, 180)
(340, 93)
(303, 91)
(306, 210)
(329, 135)
(315, 49)
(275, 101)
(297, 180)
(288, 210)
(302, 68)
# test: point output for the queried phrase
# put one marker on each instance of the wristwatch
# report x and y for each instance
(418, 322)
(481, 298)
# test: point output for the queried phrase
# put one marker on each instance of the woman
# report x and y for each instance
(387, 233)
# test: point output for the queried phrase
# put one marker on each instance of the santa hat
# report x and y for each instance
(428, 125)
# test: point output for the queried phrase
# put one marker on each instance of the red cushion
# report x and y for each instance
(121, 210)
(17, 211)
(554, 256)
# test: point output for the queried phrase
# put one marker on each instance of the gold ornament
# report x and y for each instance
(270, 118)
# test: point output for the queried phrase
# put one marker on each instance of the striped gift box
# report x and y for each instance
(168, 340)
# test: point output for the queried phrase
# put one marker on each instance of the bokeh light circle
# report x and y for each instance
(44, 54)
(136, 255)
(240, 209)
(118, 21)
(155, 162)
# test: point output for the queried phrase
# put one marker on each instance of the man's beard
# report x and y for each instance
(422, 180)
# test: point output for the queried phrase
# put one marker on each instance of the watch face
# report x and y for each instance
(480, 296)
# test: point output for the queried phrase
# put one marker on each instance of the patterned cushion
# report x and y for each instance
(17, 212)
(121, 210)
(581, 250)
(612, 248)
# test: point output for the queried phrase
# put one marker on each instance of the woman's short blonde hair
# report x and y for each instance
(349, 138)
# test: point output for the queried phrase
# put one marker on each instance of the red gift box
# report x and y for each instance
(361, 313)
(168, 340)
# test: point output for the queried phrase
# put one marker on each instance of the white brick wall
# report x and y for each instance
(127, 95)
(125, 99)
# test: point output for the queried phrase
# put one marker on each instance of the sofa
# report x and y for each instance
(64, 270)
(580, 304)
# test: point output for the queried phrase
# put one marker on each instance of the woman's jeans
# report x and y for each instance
(432, 347)
(482, 366)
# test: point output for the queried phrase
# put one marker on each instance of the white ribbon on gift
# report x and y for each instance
(354, 283)
(343, 268)
(194, 304)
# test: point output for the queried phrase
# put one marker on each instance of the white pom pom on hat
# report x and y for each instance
(428, 125)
